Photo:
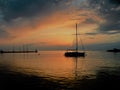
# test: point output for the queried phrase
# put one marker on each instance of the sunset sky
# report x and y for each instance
(50, 24)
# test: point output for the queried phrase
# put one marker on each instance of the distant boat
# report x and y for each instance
(114, 50)
(76, 52)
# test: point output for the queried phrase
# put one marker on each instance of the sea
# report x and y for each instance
(51, 70)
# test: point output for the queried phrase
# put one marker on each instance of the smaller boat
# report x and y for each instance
(114, 50)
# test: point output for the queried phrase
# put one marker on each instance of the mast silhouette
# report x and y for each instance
(76, 39)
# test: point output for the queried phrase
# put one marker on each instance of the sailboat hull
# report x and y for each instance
(75, 54)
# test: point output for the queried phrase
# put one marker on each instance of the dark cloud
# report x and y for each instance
(12, 9)
(117, 2)
(104, 32)
(108, 10)
(90, 21)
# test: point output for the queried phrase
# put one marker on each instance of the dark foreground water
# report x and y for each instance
(50, 70)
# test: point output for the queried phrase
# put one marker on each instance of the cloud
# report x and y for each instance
(108, 32)
(32, 21)
(13, 9)
(117, 2)
(90, 21)
(19, 17)
(109, 10)
(91, 33)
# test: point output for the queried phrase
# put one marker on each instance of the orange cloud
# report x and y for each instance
(55, 29)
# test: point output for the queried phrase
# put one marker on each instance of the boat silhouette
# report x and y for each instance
(75, 52)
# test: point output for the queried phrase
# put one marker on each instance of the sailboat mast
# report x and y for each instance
(76, 39)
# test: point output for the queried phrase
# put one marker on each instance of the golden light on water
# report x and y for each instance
(53, 64)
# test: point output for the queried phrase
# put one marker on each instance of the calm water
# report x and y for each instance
(53, 65)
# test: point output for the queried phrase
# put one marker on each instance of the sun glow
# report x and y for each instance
(57, 28)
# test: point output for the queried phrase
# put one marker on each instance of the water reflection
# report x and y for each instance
(52, 70)
(53, 64)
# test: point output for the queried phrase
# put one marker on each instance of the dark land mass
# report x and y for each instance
(105, 80)
(115, 50)
(30, 51)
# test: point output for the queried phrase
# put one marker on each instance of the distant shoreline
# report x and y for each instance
(35, 51)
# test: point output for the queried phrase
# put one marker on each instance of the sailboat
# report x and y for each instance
(76, 52)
